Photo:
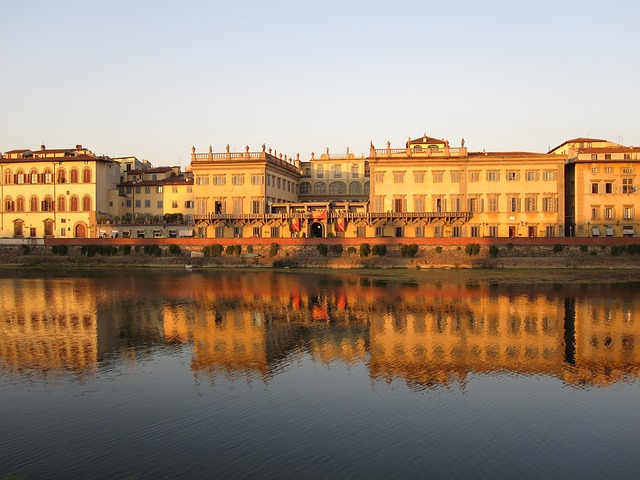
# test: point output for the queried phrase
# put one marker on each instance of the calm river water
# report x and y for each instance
(260, 374)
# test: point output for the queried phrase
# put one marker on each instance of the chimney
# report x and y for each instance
(78, 147)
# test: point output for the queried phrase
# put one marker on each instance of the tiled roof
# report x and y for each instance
(578, 140)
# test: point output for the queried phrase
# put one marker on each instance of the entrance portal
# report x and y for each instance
(316, 230)
(81, 230)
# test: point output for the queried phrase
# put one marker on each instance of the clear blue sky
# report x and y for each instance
(151, 78)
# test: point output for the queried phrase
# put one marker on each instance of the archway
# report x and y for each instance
(81, 230)
(317, 230)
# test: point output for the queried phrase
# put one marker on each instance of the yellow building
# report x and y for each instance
(343, 178)
(430, 189)
(55, 192)
(602, 187)
(234, 192)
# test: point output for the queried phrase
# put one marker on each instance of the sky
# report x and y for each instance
(152, 78)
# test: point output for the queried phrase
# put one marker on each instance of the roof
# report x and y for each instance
(426, 139)
(507, 154)
(579, 140)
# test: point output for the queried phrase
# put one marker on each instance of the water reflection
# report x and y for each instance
(253, 324)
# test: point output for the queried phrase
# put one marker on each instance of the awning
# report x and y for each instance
(596, 231)
(628, 231)
(609, 231)
(186, 232)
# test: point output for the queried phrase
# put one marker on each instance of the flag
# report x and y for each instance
(340, 225)
(319, 214)
(295, 225)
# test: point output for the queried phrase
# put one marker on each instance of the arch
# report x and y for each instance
(9, 205)
(18, 228)
(33, 176)
(305, 188)
(86, 175)
(47, 175)
(47, 204)
(320, 188)
(86, 203)
(80, 230)
(74, 204)
(48, 227)
(61, 175)
(366, 188)
(33, 204)
(317, 230)
(73, 175)
(62, 204)
(8, 176)
(20, 204)
(337, 188)
(355, 188)
(20, 176)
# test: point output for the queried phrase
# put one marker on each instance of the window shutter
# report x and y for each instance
(481, 205)
(519, 205)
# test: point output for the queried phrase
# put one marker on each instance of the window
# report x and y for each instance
(189, 189)
(549, 175)
(361, 232)
(138, 189)
(474, 176)
(237, 205)
(455, 176)
(174, 189)
(320, 188)
(513, 176)
(594, 187)
(594, 156)
(595, 213)
(159, 204)
(594, 169)
(608, 187)
(354, 171)
(305, 188)
(257, 232)
(513, 204)
(74, 175)
(549, 204)
(473, 204)
(279, 180)
(355, 188)
(257, 179)
(627, 185)
(550, 231)
(86, 203)
(275, 232)
(188, 204)
(337, 171)
(609, 213)
(627, 171)
(47, 204)
(378, 204)
(319, 171)
(475, 231)
(418, 177)
(492, 201)
(493, 230)
(437, 177)
(337, 188)
(398, 177)
(438, 231)
(219, 180)
(20, 177)
(86, 175)
(379, 177)
(627, 212)
(607, 156)
(8, 204)
(138, 204)
(532, 176)
(20, 204)
(456, 231)
(128, 203)
(419, 232)
(33, 177)
(202, 179)
(62, 204)
(174, 204)
(255, 206)
(418, 203)
(379, 231)
(147, 189)
(8, 177)
(238, 180)
(48, 176)
(219, 232)
(147, 204)
(159, 189)
(493, 176)
(530, 204)
(627, 156)
(237, 232)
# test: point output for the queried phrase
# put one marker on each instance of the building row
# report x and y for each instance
(583, 187)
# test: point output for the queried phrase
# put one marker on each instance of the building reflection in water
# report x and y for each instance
(252, 324)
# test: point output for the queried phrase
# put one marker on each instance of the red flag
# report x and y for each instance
(319, 214)
(295, 225)
(340, 225)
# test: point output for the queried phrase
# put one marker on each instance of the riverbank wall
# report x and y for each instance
(327, 253)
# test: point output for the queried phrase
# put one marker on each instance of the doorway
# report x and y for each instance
(317, 230)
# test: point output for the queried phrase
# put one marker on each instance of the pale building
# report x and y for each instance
(55, 192)
(602, 187)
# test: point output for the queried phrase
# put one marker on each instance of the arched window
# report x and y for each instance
(8, 177)
(74, 204)
(336, 188)
(8, 204)
(320, 188)
(305, 188)
(48, 175)
(355, 188)
(33, 204)
(86, 203)
(20, 204)
(33, 176)
(74, 175)
(20, 176)
(47, 204)
(366, 188)
(86, 175)
(61, 175)
(62, 203)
